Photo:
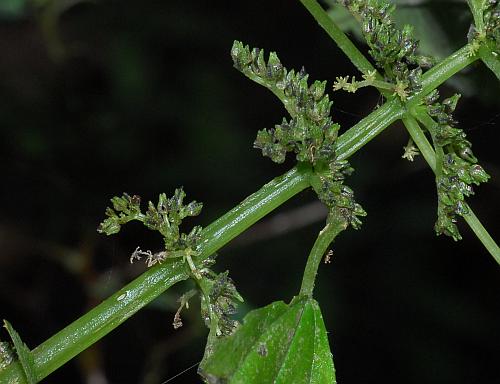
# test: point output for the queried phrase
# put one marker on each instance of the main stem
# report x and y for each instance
(95, 324)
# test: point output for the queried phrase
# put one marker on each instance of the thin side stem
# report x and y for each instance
(482, 234)
(337, 35)
(431, 126)
(420, 139)
(470, 218)
(323, 241)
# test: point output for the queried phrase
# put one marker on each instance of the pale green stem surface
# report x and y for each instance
(477, 7)
(482, 234)
(323, 241)
(429, 155)
(441, 72)
(368, 128)
(429, 123)
(420, 139)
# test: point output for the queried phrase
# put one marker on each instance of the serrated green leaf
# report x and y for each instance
(23, 353)
(279, 343)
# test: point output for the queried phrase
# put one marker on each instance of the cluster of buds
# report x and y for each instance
(394, 50)
(459, 168)
(310, 133)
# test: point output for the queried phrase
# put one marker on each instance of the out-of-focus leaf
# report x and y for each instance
(23, 353)
(279, 343)
(12, 9)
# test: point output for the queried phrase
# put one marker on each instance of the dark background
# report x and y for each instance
(111, 96)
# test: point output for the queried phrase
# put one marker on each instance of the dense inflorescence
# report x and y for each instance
(458, 169)
(217, 291)
(310, 133)
(394, 50)
(220, 303)
(165, 217)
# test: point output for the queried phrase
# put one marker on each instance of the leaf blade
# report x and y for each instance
(279, 343)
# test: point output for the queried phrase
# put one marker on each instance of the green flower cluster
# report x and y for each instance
(337, 196)
(458, 170)
(310, 133)
(219, 296)
(394, 50)
(165, 217)
(220, 302)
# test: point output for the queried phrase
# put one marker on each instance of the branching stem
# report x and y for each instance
(95, 324)
(119, 307)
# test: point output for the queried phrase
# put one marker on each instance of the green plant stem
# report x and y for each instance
(470, 218)
(108, 315)
(342, 41)
(482, 234)
(491, 60)
(96, 323)
(477, 7)
(430, 80)
(337, 35)
(368, 128)
(254, 207)
(323, 241)
(92, 326)
(420, 139)
(431, 126)
(441, 72)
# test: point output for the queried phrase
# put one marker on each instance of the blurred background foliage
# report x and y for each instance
(101, 97)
